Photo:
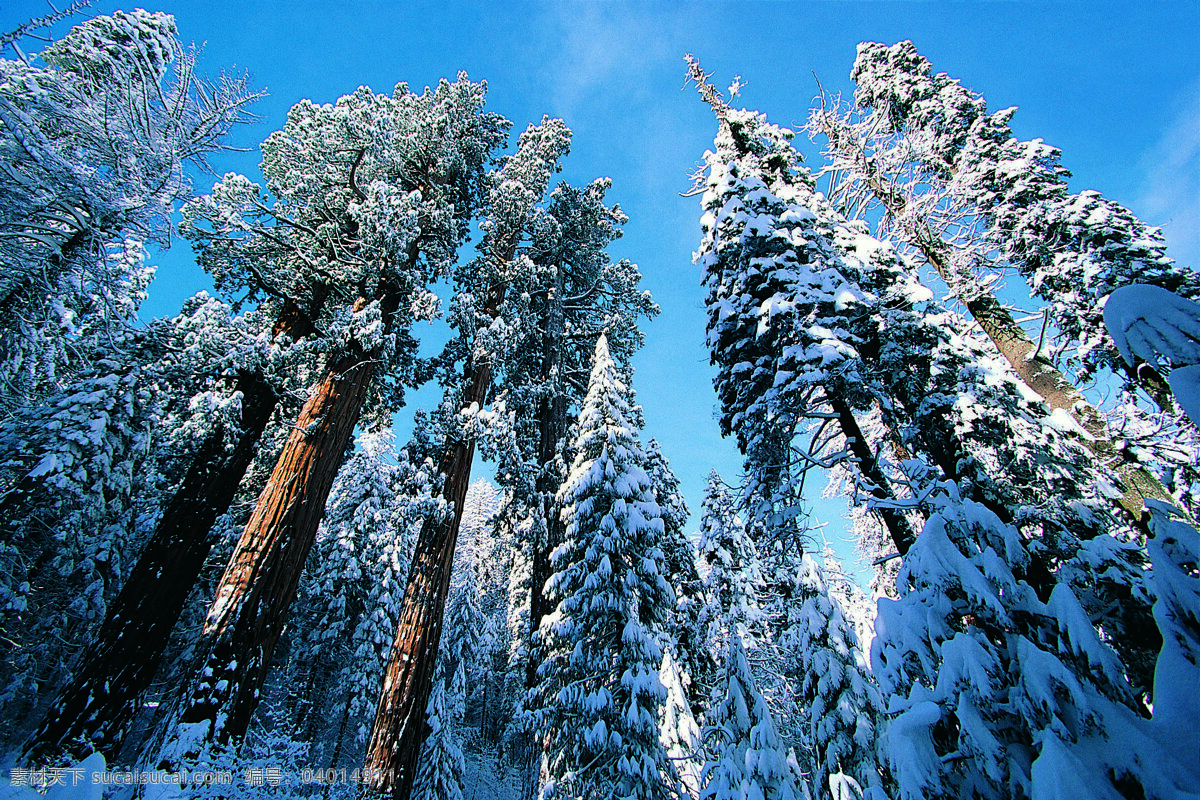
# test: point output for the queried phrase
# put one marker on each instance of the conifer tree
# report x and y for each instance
(511, 196)
(211, 440)
(971, 200)
(749, 758)
(573, 292)
(889, 346)
(679, 734)
(440, 774)
(1000, 449)
(733, 577)
(600, 689)
(356, 262)
(839, 704)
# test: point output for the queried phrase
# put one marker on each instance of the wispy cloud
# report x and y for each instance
(602, 50)
(1170, 194)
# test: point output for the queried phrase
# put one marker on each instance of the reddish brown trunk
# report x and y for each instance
(247, 616)
(93, 712)
(400, 727)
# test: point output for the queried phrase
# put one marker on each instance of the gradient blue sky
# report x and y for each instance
(1115, 85)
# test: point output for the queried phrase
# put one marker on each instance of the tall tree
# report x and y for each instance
(971, 200)
(785, 323)
(573, 292)
(826, 313)
(356, 261)
(601, 691)
(946, 398)
(228, 417)
(511, 196)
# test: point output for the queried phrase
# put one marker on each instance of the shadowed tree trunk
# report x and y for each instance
(94, 711)
(552, 428)
(897, 524)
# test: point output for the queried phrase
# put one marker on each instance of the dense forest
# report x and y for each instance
(223, 575)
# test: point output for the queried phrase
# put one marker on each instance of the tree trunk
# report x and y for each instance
(552, 428)
(94, 711)
(897, 523)
(1019, 350)
(399, 729)
(248, 613)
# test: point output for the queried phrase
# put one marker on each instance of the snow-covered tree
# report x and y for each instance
(971, 200)
(95, 132)
(509, 198)
(387, 185)
(440, 774)
(573, 292)
(995, 692)
(1074, 249)
(200, 450)
(1175, 549)
(748, 758)
(940, 393)
(679, 733)
(600, 690)
(786, 318)
(839, 703)
(733, 577)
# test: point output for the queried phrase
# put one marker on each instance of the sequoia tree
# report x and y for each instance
(511, 196)
(368, 200)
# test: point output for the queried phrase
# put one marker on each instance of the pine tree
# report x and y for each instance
(786, 320)
(838, 700)
(573, 292)
(733, 577)
(968, 197)
(440, 774)
(600, 685)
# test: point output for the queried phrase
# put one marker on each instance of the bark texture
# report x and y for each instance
(250, 608)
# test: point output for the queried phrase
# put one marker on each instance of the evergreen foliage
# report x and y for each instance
(601, 690)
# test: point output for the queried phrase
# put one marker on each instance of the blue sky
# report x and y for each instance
(1115, 85)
